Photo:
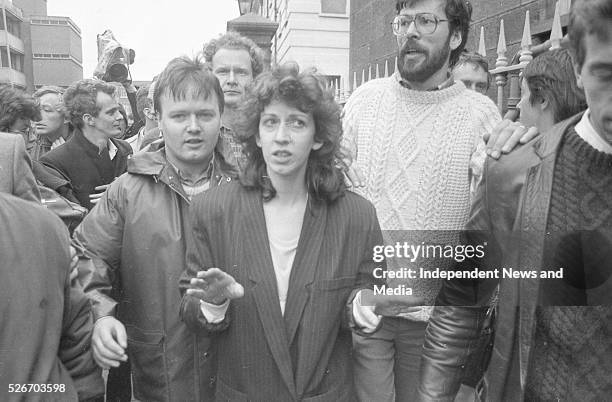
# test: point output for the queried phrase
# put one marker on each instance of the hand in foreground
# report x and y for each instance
(355, 176)
(506, 136)
(215, 286)
(390, 305)
(109, 341)
(95, 197)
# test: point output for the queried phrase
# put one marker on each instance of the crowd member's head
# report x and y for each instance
(235, 60)
(473, 70)
(431, 34)
(93, 108)
(54, 117)
(188, 101)
(17, 110)
(290, 128)
(123, 123)
(549, 91)
(590, 35)
(144, 105)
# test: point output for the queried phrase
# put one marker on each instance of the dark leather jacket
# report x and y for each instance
(509, 213)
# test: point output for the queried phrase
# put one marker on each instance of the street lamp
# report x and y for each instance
(247, 6)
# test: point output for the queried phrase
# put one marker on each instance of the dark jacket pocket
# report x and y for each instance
(146, 353)
(336, 283)
(225, 393)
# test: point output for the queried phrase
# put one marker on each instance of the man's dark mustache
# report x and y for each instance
(412, 46)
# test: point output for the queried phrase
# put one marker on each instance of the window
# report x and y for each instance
(333, 7)
(4, 54)
(13, 27)
(17, 61)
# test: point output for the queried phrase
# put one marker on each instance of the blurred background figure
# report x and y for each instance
(235, 60)
(473, 70)
(549, 91)
(94, 156)
(15, 169)
(46, 323)
(17, 112)
(53, 129)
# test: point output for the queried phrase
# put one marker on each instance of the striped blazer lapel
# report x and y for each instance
(264, 290)
(304, 265)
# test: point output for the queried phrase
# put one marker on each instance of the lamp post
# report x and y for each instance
(248, 6)
(253, 25)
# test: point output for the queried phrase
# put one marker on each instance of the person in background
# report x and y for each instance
(473, 70)
(16, 176)
(417, 138)
(135, 241)
(549, 91)
(94, 156)
(144, 104)
(17, 112)
(53, 129)
(235, 60)
(123, 123)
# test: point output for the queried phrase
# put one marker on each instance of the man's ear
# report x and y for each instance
(544, 104)
(577, 71)
(455, 39)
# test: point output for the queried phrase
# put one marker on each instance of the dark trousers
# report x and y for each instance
(119, 384)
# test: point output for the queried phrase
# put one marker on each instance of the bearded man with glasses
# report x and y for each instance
(415, 141)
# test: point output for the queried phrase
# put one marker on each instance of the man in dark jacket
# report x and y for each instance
(92, 157)
(46, 323)
(135, 238)
(544, 214)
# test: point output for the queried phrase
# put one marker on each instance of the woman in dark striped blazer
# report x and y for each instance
(278, 263)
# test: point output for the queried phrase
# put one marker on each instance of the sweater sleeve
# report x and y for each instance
(486, 117)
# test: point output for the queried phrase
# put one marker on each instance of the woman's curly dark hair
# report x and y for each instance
(307, 92)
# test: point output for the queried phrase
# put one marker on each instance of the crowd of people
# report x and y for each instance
(221, 245)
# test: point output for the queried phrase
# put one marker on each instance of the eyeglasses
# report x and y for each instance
(425, 23)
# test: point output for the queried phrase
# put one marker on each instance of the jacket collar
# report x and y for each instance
(153, 162)
(123, 148)
(548, 143)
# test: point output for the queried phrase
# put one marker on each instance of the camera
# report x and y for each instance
(113, 59)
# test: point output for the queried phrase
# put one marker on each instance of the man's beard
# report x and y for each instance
(426, 66)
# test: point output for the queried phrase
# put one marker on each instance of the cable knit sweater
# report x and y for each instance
(418, 152)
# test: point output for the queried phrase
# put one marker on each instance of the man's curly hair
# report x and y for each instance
(80, 99)
(233, 40)
(16, 104)
(305, 91)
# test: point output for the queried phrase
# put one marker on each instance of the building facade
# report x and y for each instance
(312, 33)
(37, 49)
(12, 46)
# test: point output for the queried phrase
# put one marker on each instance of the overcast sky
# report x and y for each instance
(157, 30)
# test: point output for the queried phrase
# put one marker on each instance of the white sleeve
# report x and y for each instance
(213, 313)
(364, 315)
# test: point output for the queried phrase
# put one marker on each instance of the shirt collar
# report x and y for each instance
(587, 132)
(205, 177)
(446, 84)
(112, 150)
